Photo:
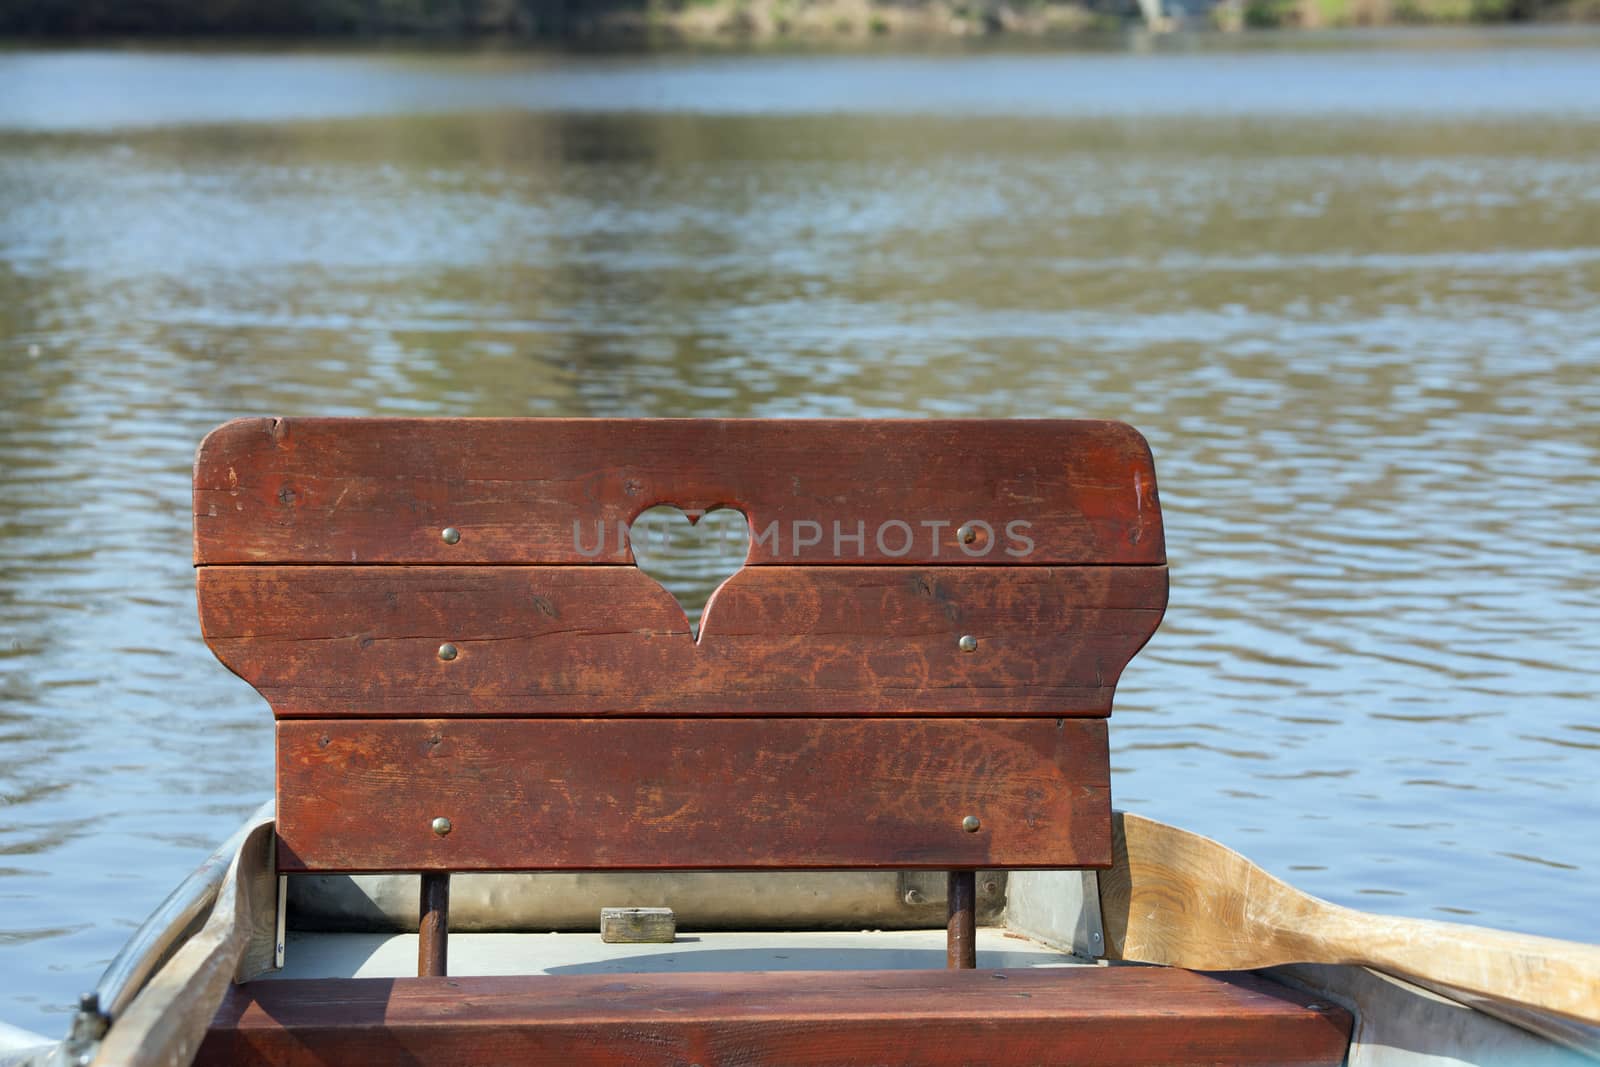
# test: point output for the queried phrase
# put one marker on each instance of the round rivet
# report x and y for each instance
(970, 824)
(450, 535)
(447, 652)
(968, 643)
(967, 534)
(441, 826)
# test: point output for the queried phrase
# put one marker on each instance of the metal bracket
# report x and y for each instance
(1088, 937)
(282, 932)
(1059, 908)
(924, 891)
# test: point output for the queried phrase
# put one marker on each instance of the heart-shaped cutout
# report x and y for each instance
(690, 552)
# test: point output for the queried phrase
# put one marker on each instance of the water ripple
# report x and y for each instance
(1364, 354)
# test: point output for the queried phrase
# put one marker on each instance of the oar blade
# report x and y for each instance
(1176, 898)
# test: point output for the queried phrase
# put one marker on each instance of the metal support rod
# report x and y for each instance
(433, 929)
(961, 942)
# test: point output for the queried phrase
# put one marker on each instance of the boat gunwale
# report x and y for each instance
(172, 923)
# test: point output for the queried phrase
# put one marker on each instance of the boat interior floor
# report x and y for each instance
(387, 955)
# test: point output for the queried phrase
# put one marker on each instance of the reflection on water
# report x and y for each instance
(1364, 354)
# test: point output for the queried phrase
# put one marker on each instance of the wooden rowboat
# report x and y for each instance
(1171, 897)
(882, 752)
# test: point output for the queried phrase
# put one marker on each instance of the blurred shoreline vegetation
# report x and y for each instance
(709, 22)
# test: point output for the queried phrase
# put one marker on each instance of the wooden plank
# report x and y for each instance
(364, 641)
(594, 794)
(1109, 1017)
(383, 490)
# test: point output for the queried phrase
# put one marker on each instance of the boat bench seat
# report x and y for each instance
(1107, 1016)
(913, 670)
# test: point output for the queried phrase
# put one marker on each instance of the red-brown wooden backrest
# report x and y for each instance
(912, 670)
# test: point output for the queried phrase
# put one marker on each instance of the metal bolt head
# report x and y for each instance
(967, 534)
(441, 826)
(970, 824)
(447, 652)
(450, 535)
(968, 643)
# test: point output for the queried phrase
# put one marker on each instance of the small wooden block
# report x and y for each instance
(638, 926)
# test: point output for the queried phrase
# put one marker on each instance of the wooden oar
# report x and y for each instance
(1176, 898)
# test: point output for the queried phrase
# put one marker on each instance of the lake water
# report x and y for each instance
(1349, 290)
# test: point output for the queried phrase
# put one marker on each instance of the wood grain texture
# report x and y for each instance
(364, 641)
(381, 490)
(1109, 1017)
(593, 794)
(1177, 898)
(261, 945)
